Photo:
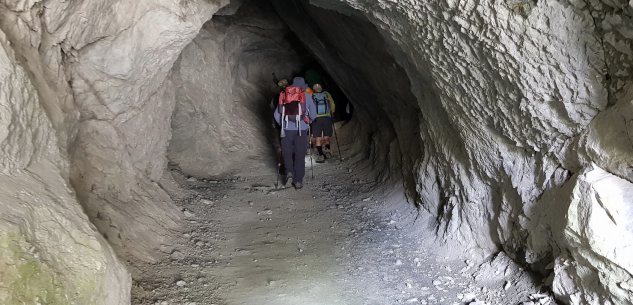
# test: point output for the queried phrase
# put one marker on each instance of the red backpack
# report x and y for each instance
(292, 105)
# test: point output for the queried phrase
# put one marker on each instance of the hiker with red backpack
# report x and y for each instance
(294, 113)
(322, 126)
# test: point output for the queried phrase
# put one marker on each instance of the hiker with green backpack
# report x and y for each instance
(322, 127)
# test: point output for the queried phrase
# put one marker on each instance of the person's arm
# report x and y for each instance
(312, 112)
(332, 105)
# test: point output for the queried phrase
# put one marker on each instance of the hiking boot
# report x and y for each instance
(298, 185)
(320, 159)
(288, 180)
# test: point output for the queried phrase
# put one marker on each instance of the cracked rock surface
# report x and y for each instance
(513, 104)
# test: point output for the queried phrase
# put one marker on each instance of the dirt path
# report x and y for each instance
(249, 243)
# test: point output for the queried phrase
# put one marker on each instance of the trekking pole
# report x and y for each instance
(278, 168)
(310, 149)
(340, 157)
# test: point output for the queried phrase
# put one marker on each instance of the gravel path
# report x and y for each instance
(340, 240)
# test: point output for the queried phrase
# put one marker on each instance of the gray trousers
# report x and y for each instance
(296, 144)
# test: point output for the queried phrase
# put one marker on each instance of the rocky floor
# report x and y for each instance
(334, 242)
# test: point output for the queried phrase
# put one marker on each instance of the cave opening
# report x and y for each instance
(487, 153)
(232, 58)
(285, 37)
(243, 45)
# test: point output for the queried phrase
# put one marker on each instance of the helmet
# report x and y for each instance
(317, 88)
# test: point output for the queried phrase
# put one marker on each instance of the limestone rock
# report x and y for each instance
(486, 111)
(49, 250)
(222, 115)
(600, 217)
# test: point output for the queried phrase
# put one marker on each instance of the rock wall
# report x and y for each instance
(510, 127)
(86, 103)
(50, 253)
(223, 117)
(124, 100)
(508, 122)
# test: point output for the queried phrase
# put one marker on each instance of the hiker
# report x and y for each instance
(322, 126)
(294, 113)
(281, 84)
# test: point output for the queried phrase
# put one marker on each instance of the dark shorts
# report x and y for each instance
(322, 125)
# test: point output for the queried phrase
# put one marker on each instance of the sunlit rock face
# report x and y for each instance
(510, 116)
(223, 119)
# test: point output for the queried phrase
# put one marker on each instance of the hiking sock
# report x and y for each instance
(327, 146)
(320, 149)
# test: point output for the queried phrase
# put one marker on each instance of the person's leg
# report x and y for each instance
(327, 133)
(300, 147)
(317, 141)
(321, 158)
(318, 131)
(287, 150)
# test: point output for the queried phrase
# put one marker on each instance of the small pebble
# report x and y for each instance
(181, 283)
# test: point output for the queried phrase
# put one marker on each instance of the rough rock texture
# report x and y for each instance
(50, 253)
(125, 102)
(598, 232)
(223, 115)
(86, 103)
(504, 106)
(508, 122)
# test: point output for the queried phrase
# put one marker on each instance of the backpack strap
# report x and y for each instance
(298, 120)
(283, 120)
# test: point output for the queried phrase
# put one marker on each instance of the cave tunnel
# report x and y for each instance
(482, 153)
